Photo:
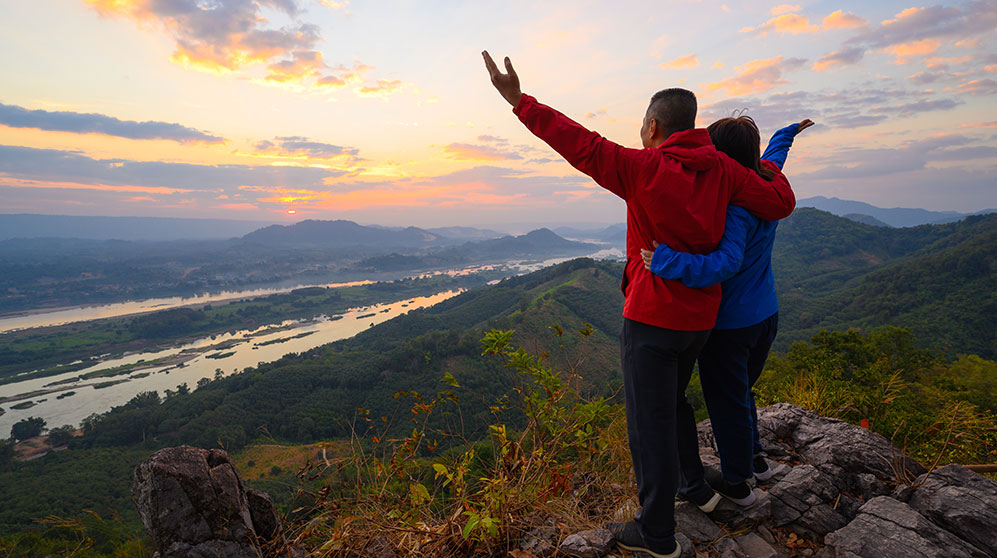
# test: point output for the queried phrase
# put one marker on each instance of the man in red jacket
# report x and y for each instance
(677, 190)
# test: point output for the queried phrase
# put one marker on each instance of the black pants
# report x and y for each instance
(731, 362)
(661, 427)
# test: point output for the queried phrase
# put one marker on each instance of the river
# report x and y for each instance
(167, 368)
(248, 348)
(61, 316)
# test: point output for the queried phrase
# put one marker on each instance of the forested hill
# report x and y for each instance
(939, 280)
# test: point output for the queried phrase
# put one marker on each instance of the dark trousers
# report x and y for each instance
(730, 364)
(661, 427)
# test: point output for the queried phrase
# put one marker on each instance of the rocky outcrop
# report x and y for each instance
(841, 494)
(193, 504)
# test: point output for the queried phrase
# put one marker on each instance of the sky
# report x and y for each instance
(382, 112)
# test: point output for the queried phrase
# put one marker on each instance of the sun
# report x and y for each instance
(291, 212)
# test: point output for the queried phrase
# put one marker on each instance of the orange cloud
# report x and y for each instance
(842, 20)
(991, 124)
(304, 65)
(756, 76)
(471, 152)
(215, 36)
(687, 61)
(785, 8)
(905, 52)
(785, 23)
(382, 88)
(25, 183)
(239, 206)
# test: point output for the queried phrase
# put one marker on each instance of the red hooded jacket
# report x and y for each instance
(676, 193)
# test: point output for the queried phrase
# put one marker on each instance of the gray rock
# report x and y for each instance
(695, 524)
(688, 549)
(766, 534)
(803, 500)
(594, 543)
(886, 527)
(845, 452)
(193, 505)
(962, 502)
(266, 522)
(727, 548)
(754, 546)
(734, 516)
(541, 541)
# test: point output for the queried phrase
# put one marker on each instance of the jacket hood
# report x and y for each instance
(692, 148)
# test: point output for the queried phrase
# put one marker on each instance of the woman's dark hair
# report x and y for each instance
(738, 137)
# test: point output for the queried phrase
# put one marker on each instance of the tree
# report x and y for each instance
(61, 436)
(27, 428)
(6, 454)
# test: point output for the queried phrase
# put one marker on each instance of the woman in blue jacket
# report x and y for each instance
(733, 357)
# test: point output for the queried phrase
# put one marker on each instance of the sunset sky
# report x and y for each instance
(382, 112)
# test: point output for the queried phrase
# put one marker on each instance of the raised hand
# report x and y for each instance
(508, 83)
(804, 124)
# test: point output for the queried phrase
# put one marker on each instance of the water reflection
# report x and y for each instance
(43, 318)
(229, 352)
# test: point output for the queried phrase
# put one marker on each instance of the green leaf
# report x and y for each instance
(450, 380)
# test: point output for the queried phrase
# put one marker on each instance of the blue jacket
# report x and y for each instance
(742, 261)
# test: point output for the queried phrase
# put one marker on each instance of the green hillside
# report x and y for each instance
(939, 280)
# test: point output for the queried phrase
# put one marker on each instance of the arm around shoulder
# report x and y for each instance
(769, 200)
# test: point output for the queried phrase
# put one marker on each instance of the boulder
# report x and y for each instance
(856, 459)
(887, 527)
(805, 500)
(594, 543)
(193, 505)
(960, 501)
(738, 517)
(695, 524)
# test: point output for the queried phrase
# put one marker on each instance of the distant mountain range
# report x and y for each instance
(341, 233)
(893, 217)
(122, 228)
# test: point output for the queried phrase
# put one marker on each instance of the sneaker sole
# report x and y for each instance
(768, 473)
(710, 504)
(675, 554)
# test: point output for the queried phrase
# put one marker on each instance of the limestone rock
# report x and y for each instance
(754, 546)
(886, 527)
(803, 499)
(961, 502)
(688, 549)
(695, 524)
(541, 541)
(594, 543)
(736, 517)
(856, 459)
(193, 504)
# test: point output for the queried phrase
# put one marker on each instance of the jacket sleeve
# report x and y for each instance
(767, 200)
(698, 271)
(612, 166)
(779, 145)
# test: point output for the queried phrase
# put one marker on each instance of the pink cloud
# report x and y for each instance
(756, 76)
(905, 52)
(785, 23)
(842, 20)
(687, 61)
(844, 57)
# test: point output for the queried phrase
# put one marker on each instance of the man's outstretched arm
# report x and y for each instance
(611, 165)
